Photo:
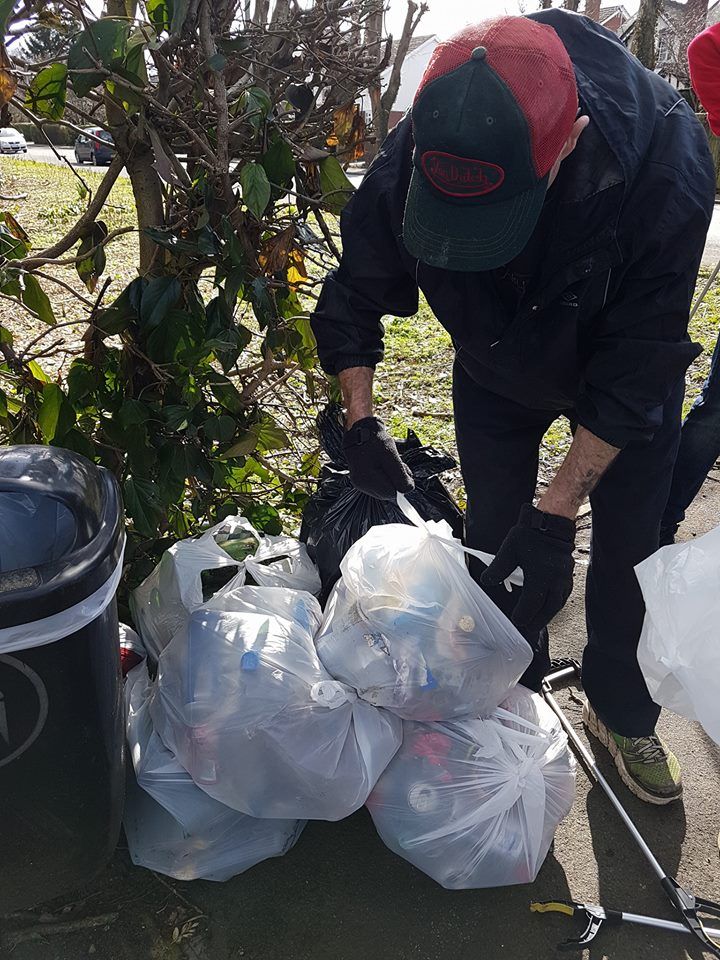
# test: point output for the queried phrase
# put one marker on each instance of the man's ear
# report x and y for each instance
(572, 140)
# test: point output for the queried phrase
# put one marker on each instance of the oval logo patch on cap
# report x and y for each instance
(460, 176)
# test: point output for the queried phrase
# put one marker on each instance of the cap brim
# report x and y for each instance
(468, 237)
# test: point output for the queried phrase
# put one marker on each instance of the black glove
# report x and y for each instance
(541, 544)
(374, 462)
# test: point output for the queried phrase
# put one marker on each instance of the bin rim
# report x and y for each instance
(31, 594)
(39, 633)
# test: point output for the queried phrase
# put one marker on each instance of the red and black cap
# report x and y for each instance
(494, 108)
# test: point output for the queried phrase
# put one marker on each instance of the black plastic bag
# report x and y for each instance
(338, 515)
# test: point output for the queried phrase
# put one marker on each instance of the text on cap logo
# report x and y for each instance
(460, 176)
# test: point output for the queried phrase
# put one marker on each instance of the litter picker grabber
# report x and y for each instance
(686, 903)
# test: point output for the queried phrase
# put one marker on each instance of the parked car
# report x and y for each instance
(94, 146)
(12, 141)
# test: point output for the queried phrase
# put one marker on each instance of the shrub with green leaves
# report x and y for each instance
(197, 383)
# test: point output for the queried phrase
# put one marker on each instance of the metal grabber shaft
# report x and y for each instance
(683, 900)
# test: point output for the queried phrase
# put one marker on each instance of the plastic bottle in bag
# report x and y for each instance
(172, 825)
(476, 803)
(411, 631)
(251, 713)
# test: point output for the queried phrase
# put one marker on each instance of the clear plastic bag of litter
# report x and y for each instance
(193, 570)
(476, 803)
(172, 825)
(253, 716)
(679, 653)
(410, 630)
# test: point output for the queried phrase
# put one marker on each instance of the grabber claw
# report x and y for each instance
(594, 915)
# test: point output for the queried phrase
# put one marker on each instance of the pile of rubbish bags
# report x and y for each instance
(256, 711)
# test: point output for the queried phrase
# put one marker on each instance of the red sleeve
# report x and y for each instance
(704, 60)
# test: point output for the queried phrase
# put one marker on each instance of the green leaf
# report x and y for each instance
(93, 261)
(81, 380)
(37, 300)
(3, 405)
(304, 328)
(46, 93)
(245, 445)
(6, 336)
(233, 44)
(225, 392)
(180, 10)
(335, 186)
(177, 416)
(262, 303)
(104, 41)
(178, 337)
(270, 435)
(257, 104)
(11, 247)
(220, 429)
(159, 297)
(217, 62)
(56, 414)
(132, 413)
(124, 310)
(6, 8)
(279, 163)
(142, 505)
(37, 371)
(160, 14)
(255, 188)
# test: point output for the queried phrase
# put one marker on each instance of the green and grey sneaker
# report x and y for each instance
(647, 767)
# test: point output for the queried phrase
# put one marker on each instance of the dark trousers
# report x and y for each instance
(498, 442)
(699, 448)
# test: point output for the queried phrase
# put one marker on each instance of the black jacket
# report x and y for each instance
(602, 325)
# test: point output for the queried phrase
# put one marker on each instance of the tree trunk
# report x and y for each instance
(373, 32)
(545, 4)
(643, 40)
(387, 101)
(592, 9)
(138, 158)
(571, 5)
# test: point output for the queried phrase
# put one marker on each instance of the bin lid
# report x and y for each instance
(61, 531)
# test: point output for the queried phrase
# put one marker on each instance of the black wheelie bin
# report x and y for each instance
(61, 720)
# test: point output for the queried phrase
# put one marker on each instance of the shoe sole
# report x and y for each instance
(601, 734)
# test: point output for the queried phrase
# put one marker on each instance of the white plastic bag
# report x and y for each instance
(283, 562)
(679, 653)
(410, 630)
(476, 803)
(252, 715)
(193, 570)
(172, 825)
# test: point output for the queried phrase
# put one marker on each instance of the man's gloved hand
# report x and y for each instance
(541, 544)
(374, 461)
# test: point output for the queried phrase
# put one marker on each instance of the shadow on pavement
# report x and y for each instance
(341, 894)
(626, 881)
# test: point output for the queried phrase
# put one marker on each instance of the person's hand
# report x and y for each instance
(374, 462)
(541, 544)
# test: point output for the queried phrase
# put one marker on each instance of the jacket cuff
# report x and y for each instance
(616, 434)
(345, 361)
